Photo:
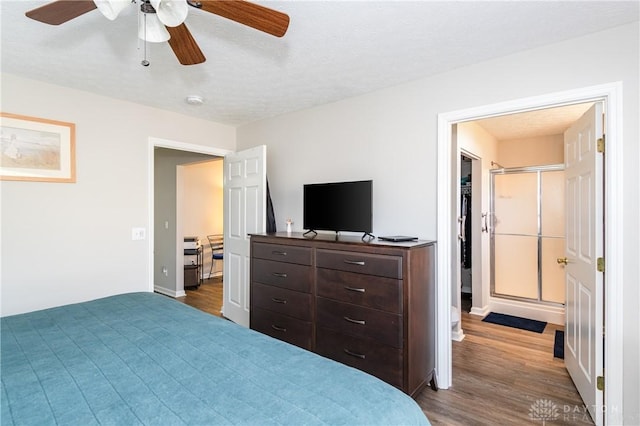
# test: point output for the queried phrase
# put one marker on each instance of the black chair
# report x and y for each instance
(216, 242)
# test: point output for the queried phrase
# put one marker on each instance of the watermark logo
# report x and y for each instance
(544, 410)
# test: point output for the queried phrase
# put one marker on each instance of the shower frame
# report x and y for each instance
(518, 170)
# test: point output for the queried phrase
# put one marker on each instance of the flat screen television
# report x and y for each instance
(339, 206)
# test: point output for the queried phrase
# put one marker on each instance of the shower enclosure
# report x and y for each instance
(527, 236)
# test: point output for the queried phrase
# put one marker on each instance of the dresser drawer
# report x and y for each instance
(280, 274)
(363, 290)
(282, 253)
(281, 300)
(357, 321)
(362, 263)
(282, 327)
(382, 361)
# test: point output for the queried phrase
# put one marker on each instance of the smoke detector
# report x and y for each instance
(195, 100)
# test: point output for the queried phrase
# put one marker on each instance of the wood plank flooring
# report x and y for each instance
(501, 375)
(207, 297)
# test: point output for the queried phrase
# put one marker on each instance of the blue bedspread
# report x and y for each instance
(142, 358)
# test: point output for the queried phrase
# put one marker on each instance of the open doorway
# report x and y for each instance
(520, 151)
(200, 207)
(244, 179)
(468, 290)
(187, 207)
(447, 231)
(544, 245)
(466, 230)
(200, 212)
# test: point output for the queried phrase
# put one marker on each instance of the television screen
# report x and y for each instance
(340, 206)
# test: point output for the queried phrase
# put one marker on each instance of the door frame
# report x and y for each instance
(611, 95)
(171, 144)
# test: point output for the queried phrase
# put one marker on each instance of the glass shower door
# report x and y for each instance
(552, 227)
(515, 235)
(527, 235)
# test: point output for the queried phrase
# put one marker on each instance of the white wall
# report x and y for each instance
(202, 206)
(65, 243)
(390, 136)
(361, 138)
(536, 151)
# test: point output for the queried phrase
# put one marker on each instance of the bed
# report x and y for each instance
(143, 358)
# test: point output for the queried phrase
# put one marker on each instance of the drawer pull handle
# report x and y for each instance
(276, 300)
(276, 328)
(348, 352)
(359, 290)
(279, 253)
(355, 262)
(279, 274)
(361, 322)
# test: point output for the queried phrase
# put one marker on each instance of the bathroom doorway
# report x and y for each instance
(610, 95)
(513, 148)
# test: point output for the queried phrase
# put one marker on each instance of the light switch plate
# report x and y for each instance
(138, 233)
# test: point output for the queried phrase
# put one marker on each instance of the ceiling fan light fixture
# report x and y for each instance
(171, 12)
(151, 29)
(167, 23)
(111, 8)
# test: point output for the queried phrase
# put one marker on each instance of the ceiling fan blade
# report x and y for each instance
(61, 11)
(253, 15)
(184, 46)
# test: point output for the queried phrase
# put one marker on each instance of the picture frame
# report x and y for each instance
(37, 149)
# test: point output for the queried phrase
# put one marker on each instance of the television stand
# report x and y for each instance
(310, 231)
(368, 236)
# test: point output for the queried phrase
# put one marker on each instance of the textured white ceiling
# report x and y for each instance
(531, 124)
(333, 50)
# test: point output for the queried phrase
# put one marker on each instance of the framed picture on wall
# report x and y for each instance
(37, 149)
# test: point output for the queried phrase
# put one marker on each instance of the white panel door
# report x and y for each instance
(584, 244)
(244, 213)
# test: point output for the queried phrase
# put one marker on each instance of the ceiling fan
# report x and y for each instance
(164, 19)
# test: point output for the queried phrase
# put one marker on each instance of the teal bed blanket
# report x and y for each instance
(146, 359)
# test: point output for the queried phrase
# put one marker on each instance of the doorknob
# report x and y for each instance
(562, 261)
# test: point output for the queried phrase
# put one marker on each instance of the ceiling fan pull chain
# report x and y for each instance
(145, 62)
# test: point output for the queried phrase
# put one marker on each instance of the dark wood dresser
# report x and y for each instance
(370, 305)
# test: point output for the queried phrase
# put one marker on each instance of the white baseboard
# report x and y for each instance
(169, 292)
(535, 311)
(457, 335)
(213, 275)
(481, 312)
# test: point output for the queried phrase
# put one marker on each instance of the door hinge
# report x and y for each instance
(600, 264)
(600, 383)
(601, 144)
